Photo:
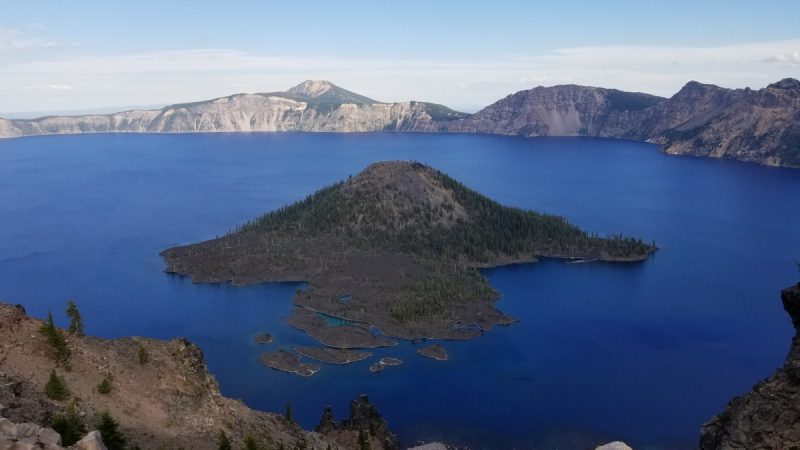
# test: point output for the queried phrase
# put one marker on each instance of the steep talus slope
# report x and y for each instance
(170, 401)
(768, 417)
(309, 106)
(567, 110)
(693, 105)
(758, 126)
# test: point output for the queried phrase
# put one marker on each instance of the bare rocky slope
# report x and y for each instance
(171, 401)
(760, 126)
(768, 417)
(309, 106)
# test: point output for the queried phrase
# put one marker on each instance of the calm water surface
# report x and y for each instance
(641, 352)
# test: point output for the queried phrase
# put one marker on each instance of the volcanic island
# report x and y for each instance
(394, 252)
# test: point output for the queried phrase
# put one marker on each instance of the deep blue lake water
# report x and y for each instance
(640, 352)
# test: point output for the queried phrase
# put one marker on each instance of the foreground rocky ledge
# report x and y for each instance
(768, 417)
(29, 436)
(170, 401)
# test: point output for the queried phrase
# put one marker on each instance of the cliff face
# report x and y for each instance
(310, 106)
(760, 126)
(700, 120)
(568, 110)
(768, 417)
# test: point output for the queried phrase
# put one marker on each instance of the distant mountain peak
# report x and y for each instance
(312, 88)
(323, 91)
(786, 83)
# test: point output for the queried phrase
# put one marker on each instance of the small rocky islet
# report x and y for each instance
(435, 351)
(392, 253)
(263, 338)
(287, 361)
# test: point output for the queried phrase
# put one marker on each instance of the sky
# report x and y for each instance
(102, 55)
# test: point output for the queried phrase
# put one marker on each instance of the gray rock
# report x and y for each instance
(8, 429)
(49, 436)
(27, 432)
(22, 445)
(91, 441)
(616, 445)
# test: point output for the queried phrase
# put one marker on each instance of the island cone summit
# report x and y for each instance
(396, 247)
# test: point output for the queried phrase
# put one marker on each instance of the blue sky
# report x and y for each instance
(465, 54)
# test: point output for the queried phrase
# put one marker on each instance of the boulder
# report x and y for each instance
(22, 445)
(8, 429)
(49, 436)
(91, 441)
(27, 432)
(616, 445)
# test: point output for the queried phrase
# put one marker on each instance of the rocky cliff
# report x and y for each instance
(568, 110)
(768, 417)
(168, 400)
(310, 106)
(761, 126)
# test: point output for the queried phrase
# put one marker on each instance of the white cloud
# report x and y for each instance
(48, 87)
(16, 40)
(185, 75)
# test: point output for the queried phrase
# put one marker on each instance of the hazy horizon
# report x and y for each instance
(465, 56)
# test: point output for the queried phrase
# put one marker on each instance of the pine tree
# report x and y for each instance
(363, 440)
(69, 425)
(251, 443)
(288, 414)
(144, 356)
(75, 320)
(55, 387)
(56, 340)
(223, 443)
(110, 433)
(105, 386)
